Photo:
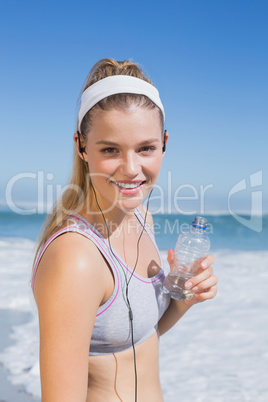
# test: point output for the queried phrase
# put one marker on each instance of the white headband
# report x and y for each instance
(117, 84)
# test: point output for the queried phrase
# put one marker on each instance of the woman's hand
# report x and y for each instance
(203, 284)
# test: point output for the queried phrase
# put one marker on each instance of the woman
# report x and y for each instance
(98, 285)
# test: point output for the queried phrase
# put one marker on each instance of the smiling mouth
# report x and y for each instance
(129, 185)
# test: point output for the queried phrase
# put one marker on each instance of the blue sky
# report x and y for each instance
(209, 60)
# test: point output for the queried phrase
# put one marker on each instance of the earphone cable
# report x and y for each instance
(127, 281)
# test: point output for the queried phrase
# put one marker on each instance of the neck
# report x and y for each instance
(115, 218)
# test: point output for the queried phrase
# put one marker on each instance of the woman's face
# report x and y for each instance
(124, 155)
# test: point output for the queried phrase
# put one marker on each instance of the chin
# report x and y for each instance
(129, 205)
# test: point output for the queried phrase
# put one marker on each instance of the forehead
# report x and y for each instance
(138, 121)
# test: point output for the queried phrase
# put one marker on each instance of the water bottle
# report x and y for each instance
(191, 249)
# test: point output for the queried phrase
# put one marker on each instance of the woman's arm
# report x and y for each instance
(69, 287)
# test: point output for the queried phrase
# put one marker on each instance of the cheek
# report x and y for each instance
(154, 166)
(101, 166)
(109, 167)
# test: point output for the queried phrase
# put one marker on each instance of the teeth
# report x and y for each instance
(128, 185)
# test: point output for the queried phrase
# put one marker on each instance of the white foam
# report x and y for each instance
(21, 359)
(16, 256)
(216, 353)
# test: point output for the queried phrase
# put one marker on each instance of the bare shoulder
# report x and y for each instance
(71, 260)
(149, 218)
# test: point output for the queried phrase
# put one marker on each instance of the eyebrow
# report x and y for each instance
(150, 141)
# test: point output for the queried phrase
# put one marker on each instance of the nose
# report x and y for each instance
(130, 166)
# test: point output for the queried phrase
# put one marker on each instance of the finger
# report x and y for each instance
(170, 256)
(195, 280)
(205, 285)
(210, 294)
(209, 260)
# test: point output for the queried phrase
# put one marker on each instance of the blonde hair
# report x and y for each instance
(73, 199)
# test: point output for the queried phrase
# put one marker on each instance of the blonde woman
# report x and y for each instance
(98, 274)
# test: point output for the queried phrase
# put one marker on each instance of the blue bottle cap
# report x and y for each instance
(200, 222)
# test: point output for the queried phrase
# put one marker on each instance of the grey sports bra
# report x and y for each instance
(112, 330)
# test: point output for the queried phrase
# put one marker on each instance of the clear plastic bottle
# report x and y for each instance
(191, 249)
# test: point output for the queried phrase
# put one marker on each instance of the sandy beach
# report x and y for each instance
(9, 392)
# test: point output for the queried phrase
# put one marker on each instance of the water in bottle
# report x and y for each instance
(191, 249)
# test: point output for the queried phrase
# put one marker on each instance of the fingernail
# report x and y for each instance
(204, 264)
(195, 288)
(188, 285)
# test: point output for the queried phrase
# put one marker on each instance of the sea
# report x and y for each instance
(217, 352)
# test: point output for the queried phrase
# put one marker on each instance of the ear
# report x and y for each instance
(80, 146)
